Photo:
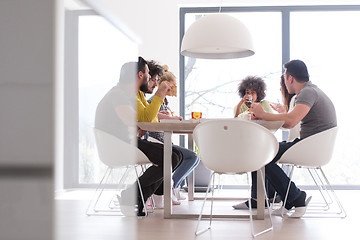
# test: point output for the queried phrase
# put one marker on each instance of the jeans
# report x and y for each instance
(276, 177)
(189, 162)
(152, 178)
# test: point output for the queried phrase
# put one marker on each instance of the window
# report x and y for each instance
(331, 52)
(101, 51)
(318, 35)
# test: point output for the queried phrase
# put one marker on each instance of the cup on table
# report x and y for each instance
(196, 115)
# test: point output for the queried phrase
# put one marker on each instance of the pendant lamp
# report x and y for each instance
(217, 36)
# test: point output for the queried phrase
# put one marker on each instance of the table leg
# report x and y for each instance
(167, 174)
(191, 176)
(260, 195)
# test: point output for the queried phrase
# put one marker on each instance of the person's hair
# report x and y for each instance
(285, 94)
(297, 69)
(167, 76)
(141, 65)
(128, 73)
(256, 84)
(155, 68)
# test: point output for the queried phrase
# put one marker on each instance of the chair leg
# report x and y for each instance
(121, 181)
(287, 191)
(202, 208)
(342, 212)
(91, 209)
(269, 212)
(141, 193)
(324, 186)
(212, 199)
(321, 187)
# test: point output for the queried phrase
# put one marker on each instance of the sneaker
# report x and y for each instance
(158, 201)
(245, 205)
(127, 205)
(280, 212)
(241, 206)
(174, 199)
(300, 211)
(178, 194)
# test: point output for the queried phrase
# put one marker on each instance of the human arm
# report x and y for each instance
(291, 119)
(278, 107)
(164, 89)
(238, 107)
(266, 106)
(147, 112)
(126, 114)
(166, 115)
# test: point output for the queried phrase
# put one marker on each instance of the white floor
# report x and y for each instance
(72, 222)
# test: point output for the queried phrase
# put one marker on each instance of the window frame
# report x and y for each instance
(285, 13)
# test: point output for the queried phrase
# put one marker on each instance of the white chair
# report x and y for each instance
(312, 153)
(115, 153)
(234, 146)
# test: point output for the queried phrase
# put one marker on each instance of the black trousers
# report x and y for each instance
(152, 178)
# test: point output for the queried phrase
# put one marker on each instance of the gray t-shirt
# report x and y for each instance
(322, 114)
(106, 118)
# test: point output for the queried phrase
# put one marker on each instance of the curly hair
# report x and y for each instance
(155, 68)
(256, 84)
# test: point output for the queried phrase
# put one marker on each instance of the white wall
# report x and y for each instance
(28, 77)
(156, 22)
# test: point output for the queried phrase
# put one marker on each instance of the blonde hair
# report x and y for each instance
(167, 76)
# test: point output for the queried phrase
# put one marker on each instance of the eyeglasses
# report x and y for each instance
(154, 79)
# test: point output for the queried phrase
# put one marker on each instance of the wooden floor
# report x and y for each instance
(72, 223)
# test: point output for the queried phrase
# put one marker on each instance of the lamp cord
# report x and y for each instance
(220, 6)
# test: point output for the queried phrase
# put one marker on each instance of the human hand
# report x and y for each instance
(177, 117)
(163, 89)
(141, 132)
(257, 110)
(165, 112)
(278, 107)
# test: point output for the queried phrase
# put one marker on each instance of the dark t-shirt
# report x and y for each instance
(322, 114)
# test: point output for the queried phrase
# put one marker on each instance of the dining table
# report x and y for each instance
(169, 127)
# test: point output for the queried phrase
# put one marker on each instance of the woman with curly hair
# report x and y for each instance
(252, 89)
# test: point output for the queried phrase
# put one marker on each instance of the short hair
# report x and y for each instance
(256, 84)
(297, 69)
(141, 64)
(155, 68)
(128, 73)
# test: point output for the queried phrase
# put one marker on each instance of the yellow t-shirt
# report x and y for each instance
(147, 112)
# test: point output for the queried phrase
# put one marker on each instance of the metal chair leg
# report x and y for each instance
(197, 233)
(269, 212)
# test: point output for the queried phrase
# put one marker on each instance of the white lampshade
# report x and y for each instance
(217, 36)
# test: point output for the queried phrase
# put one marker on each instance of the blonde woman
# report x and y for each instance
(190, 159)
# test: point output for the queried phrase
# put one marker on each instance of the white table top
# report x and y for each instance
(187, 126)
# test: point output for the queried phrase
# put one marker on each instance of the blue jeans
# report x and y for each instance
(189, 162)
(275, 176)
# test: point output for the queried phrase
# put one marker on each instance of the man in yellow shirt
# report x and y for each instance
(153, 176)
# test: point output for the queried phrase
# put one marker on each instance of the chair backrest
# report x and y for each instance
(114, 152)
(234, 145)
(313, 151)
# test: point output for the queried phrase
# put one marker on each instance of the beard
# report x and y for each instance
(144, 87)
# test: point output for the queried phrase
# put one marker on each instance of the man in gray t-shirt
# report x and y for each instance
(315, 112)
(321, 116)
